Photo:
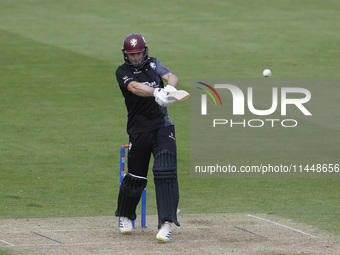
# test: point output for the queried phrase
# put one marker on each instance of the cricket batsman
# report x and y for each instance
(151, 131)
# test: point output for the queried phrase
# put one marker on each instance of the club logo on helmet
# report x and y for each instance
(133, 42)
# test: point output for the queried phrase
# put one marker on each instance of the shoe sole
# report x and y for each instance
(162, 239)
(126, 232)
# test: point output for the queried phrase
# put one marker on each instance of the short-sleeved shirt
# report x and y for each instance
(144, 114)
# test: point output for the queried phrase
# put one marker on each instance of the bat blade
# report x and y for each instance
(179, 95)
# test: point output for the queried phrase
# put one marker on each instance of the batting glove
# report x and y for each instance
(160, 97)
(169, 88)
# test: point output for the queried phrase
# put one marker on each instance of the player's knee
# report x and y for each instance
(165, 165)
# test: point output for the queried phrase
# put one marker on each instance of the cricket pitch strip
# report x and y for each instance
(198, 234)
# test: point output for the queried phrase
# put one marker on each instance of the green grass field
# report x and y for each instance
(63, 119)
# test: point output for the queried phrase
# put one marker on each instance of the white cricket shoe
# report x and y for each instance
(164, 233)
(125, 225)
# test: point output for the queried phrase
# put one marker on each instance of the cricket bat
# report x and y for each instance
(179, 95)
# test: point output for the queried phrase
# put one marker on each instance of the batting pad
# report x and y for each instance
(129, 195)
(166, 185)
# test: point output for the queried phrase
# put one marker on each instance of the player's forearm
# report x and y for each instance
(140, 89)
(171, 79)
